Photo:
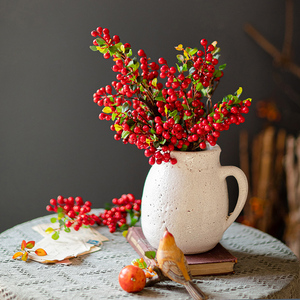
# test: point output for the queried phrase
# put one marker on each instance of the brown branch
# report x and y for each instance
(288, 35)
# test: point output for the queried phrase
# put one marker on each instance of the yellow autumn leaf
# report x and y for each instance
(166, 111)
(154, 82)
(186, 55)
(122, 48)
(17, 254)
(148, 141)
(179, 47)
(118, 127)
(239, 91)
(49, 230)
(40, 252)
(116, 58)
(214, 43)
(124, 233)
(107, 110)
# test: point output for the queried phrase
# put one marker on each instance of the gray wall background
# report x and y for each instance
(52, 142)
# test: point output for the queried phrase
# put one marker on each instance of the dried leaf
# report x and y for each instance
(40, 252)
(30, 244)
(17, 254)
(25, 256)
(23, 245)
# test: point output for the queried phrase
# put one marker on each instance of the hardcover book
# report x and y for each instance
(216, 261)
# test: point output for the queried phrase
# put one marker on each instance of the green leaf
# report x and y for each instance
(125, 107)
(156, 144)
(60, 209)
(193, 51)
(173, 113)
(180, 58)
(199, 86)
(150, 254)
(184, 147)
(61, 222)
(93, 48)
(179, 68)
(107, 206)
(113, 116)
(177, 119)
(67, 229)
(53, 220)
(100, 41)
(133, 222)
(55, 235)
(192, 70)
(215, 51)
(125, 134)
(222, 67)
(60, 215)
(124, 227)
(217, 73)
(112, 50)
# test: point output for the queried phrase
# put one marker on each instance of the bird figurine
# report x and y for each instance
(173, 265)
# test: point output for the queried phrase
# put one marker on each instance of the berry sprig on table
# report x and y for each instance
(176, 114)
(75, 213)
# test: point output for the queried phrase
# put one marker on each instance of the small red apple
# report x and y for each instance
(132, 279)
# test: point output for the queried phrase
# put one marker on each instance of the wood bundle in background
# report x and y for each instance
(269, 164)
(292, 165)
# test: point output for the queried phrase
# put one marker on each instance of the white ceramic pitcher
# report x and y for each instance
(190, 198)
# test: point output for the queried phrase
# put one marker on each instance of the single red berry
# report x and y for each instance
(94, 33)
(203, 42)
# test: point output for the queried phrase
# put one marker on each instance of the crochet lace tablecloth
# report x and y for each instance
(266, 268)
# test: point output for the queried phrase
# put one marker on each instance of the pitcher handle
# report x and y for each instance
(243, 191)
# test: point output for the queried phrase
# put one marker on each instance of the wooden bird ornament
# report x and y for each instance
(173, 265)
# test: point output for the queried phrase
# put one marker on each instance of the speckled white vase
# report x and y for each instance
(190, 198)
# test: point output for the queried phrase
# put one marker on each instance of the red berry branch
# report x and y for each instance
(75, 213)
(175, 114)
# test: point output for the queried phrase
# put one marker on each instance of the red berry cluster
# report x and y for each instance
(116, 217)
(177, 114)
(75, 212)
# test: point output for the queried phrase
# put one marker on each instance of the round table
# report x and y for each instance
(266, 268)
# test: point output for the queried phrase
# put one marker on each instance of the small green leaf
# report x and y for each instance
(180, 58)
(60, 215)
(125, 134)
(93, 48)
(133, 222)
(61, 222)
(150, 254)
(183, 148)
(192, 70)
(53, 220)
(124, 227)
(217, 73)
(125, 107)
(100, 41)
(60, 209)
(67, 229)
(222, 67)
(55, 235)
(199, 86)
